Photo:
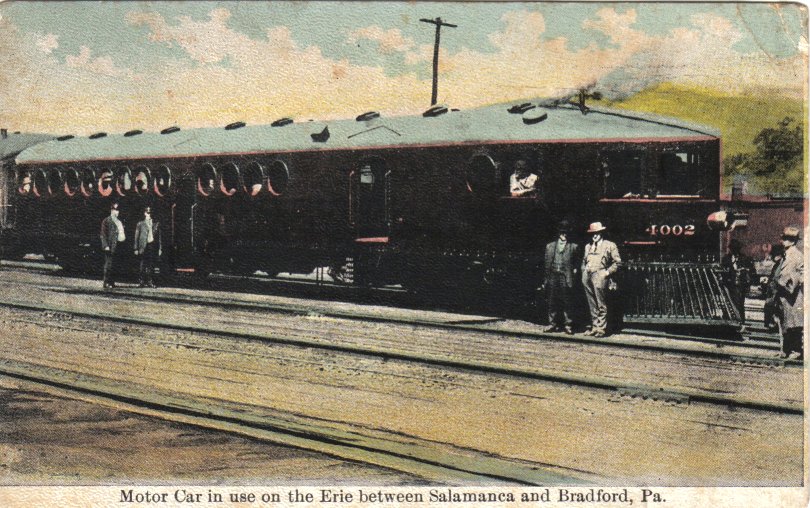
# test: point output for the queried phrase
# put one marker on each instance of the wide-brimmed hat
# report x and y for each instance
(595, 227)
(790, 233)
(564, 226)
(521, 164)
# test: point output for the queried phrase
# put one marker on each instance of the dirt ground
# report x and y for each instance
(47, 439)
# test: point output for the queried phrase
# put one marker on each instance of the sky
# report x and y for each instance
(83, 67)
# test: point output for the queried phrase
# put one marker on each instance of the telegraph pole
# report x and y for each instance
(439, 24)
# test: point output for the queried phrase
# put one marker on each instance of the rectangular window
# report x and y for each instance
(681, 173)
(622, 172)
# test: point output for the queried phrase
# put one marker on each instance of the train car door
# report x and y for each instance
(370, 206)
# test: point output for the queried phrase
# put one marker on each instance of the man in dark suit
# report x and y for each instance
(147, 247)
(112, 232)
(559, 269)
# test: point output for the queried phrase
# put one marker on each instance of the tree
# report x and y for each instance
(776, 166)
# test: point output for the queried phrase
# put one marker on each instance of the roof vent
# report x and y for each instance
(132, 133)
(519, 109)
(369, 115)
(281, 122)
(435, 111)
(98, 135)
(169, 130)
(234, 126)
(65, 138)
(321, 137)
(534, 116)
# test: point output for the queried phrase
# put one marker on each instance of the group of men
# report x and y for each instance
(784, 302)
(147, 247)
(600, 261)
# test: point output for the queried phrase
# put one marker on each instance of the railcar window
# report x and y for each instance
(88, 184)
(123, 181)
(681, 174)
(105, 182)
(142, 180)
(40, 183)
(278, 178)
(254, 178)
(162, 181)
(72, 181)
(229, 179)
(206, 179)
(482, 174)
(622, 172)
(24, 183)
(55, 181)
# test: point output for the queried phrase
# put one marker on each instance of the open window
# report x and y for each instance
(206, 179)
(24, 183)
(123, 181)
(72, 182)
(253, 179)
(622, 172)
(278, 177)
(481, 175)
(40, 183)
(162, 181)
(88, 182)
(142, 180)
(229, 179)
(681, 174)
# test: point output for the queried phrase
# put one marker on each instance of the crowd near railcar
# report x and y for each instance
(420, 201)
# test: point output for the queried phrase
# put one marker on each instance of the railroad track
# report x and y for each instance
(346, 344)
(760, 346)
(408, 455)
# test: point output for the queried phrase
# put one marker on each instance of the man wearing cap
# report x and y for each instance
(559, 269)
(112, 232)
(522, 182)
(790, 292)
(147, 247)
(740, 270)
(600, 261)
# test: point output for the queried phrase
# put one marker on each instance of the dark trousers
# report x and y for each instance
(109, 266)
(147, 264)
(559, 299)
(792, 339)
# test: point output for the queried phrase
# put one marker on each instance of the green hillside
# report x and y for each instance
(739, 118)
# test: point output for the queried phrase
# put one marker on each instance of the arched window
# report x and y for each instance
(55, 181)
(40, 187)
(72, 181)
(162, 181)
(105, 182)
(24, 183)
(253, 179)
(278, 177)
(229, 179)
(142, 180)
(482, 175)
(123, 181)
(206, 179)
(88, 182)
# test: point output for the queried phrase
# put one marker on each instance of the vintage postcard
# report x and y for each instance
(403, 254)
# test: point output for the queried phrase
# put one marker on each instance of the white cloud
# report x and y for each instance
(389, 41)
(48, 43)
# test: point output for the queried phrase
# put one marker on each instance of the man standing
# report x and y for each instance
(147, 247)
(600, 262)
(740, 270)
(112, 232)
(559, 279)
(790, 292)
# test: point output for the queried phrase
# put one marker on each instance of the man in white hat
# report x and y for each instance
(600, 261)
(790, 293)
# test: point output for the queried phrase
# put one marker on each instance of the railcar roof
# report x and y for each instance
(16, 143)
(491, 124)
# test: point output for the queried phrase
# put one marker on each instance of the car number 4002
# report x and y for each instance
(667, 230)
